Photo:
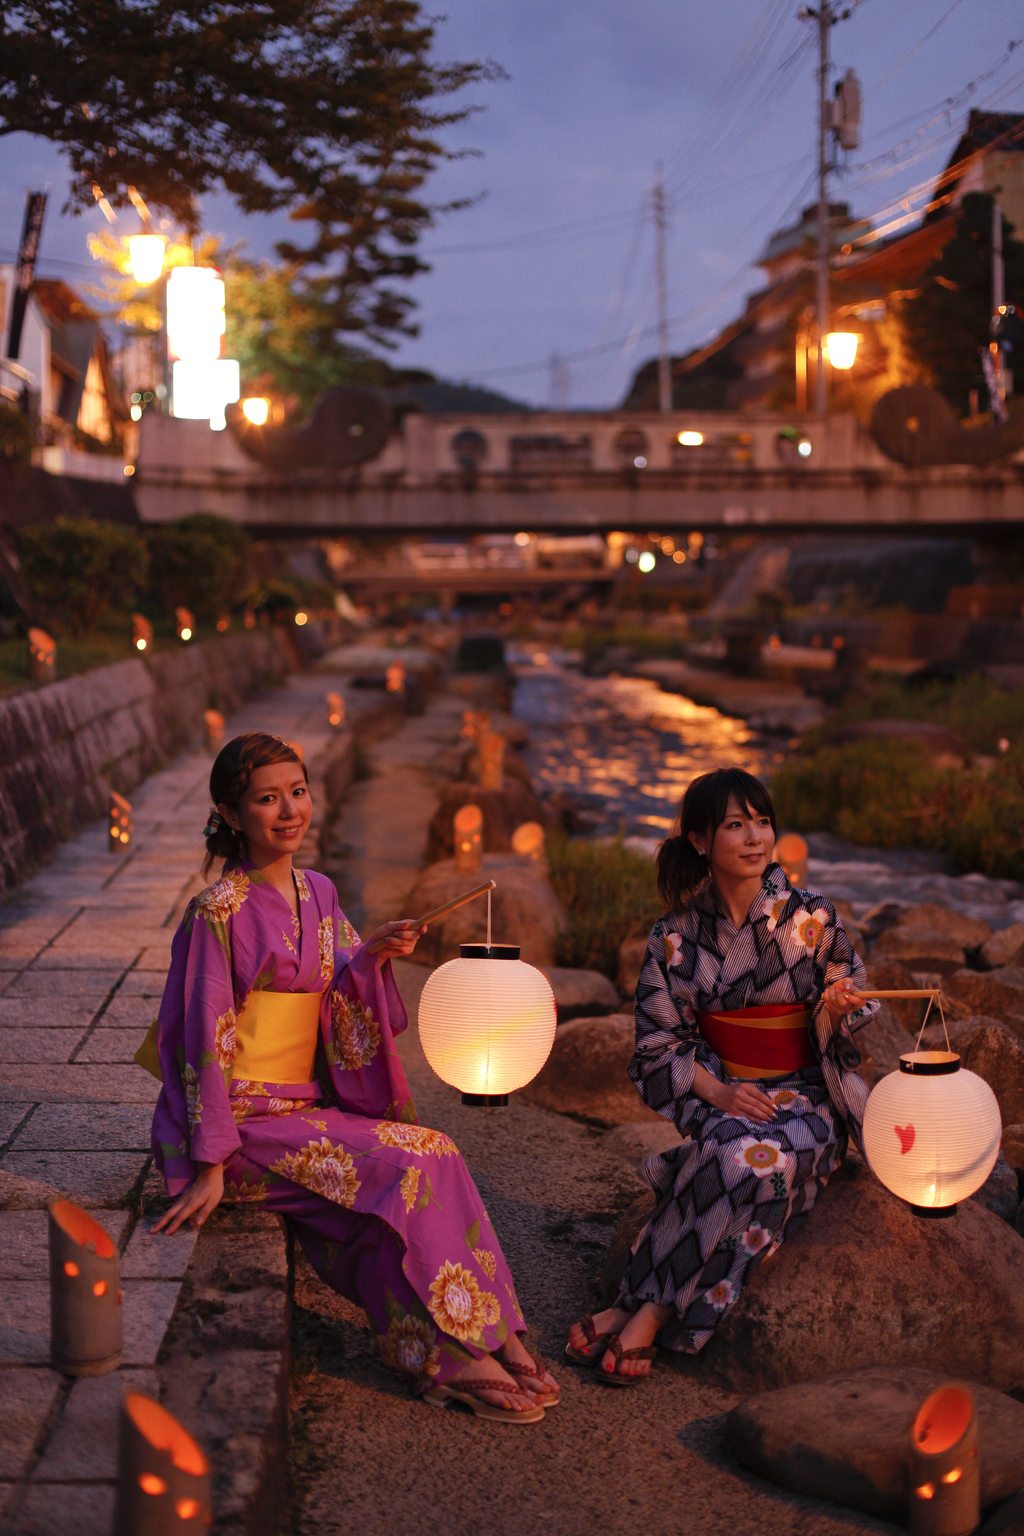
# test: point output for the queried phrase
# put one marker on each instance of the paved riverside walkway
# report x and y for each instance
(84, 951)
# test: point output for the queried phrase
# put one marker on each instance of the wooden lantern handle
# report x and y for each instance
(933, 992)
(449, 906)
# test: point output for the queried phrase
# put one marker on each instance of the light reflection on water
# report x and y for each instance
(622, 749)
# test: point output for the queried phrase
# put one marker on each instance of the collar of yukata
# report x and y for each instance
(775, 887)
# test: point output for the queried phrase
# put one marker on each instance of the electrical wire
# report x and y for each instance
(916, 49)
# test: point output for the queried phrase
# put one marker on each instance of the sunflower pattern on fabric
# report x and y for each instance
(409, 1346)
(224, 1042)
(326, 936)
(324, 1168)
(417, 1139)
(355, 1035)
(222, 900)
(456, 1302)
(731, 1193)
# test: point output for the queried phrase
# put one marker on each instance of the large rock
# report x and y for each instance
(892, 976)
(1000, 1194)
(1003, 948)
(929, 915)
(846, 1437)
(585, 1074)
(1000, 994)
(524, 910)
(1008, 1519)
(993, 1052)
(581, 994)
(631, 959)
(920, 949)
(636, 1143)
(863, 1281)
(503, 811)
(881, 1043)
(1013, 1146)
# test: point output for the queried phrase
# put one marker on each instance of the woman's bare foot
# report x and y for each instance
(489, 1369)
(640, 1330)
(604, 1322)
(514, 1352)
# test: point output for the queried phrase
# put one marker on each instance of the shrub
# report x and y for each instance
(17, 438)
(199, 563)
(609, 893)
(76, 568)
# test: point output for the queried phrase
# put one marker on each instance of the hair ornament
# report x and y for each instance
(214, 822)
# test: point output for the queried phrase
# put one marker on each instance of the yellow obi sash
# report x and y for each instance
(275, 1039)
(770, 1040)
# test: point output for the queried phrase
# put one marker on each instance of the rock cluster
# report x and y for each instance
(585, 1075)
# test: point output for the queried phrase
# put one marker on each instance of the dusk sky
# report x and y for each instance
(557, 256)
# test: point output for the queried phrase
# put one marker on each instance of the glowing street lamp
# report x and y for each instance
(646, 562)
(146, 254)
(690, 439)
(256, 411)
(841, 347)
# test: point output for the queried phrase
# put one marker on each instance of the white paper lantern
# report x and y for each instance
(487, 1022)
(932, 1131)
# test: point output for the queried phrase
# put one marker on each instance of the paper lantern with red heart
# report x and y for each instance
(932, 1131)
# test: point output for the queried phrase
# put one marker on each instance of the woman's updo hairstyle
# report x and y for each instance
(235, 764)
(681, 869)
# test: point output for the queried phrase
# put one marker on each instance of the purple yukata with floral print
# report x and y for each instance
(385, 1209)
(735, 1189)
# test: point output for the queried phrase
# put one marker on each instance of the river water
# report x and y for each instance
(624, 752)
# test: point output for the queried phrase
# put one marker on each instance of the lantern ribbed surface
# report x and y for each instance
(932, 1140)
(487, 1026)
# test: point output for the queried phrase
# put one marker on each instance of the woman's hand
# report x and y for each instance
(393, 940)
(200, 1200)
(741, 1100)
(840, 999)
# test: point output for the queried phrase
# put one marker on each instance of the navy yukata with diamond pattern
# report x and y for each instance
(728, 1196)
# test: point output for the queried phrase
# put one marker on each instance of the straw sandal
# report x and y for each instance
(547, 1397)
(593, 1337)
(614, 1378)
(442, 1397)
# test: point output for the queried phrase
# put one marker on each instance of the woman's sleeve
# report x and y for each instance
(669, 1046)
(366, 1014)
(836, 959)
(193, 1122)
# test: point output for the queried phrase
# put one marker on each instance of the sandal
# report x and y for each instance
(593, 1337)
(547, 1397)
(441, 1397)
(615, 1378)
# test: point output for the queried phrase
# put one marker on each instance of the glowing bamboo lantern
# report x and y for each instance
(468, 824)
(163, 1478)
(335, 710)
(475, 723)
(120, 823)
(213, 720)
(85, 1293)
(394, 677)
(945, 1475)
(250, 619)
(791, 853)
(492, 762)
(932, 1131)
(142, 633)
(185, 622)
(42, 656)
(528, 840)
(223, 623)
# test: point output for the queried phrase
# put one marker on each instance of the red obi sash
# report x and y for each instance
(767, 1041)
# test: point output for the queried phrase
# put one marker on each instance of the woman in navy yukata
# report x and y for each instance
(745, 1008)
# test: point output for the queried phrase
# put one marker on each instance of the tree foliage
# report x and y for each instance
(327, 108)
(17, 438)
(199, 563)
(77, 568)
(948, 321)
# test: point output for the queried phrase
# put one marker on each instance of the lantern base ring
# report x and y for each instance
(68, 1367)
(933, 1211)
(486, 1100)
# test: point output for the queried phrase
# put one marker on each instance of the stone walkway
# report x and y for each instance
(84, 951)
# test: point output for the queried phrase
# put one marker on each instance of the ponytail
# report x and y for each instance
(682, 871)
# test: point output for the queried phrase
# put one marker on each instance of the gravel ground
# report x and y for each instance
(365, 1456)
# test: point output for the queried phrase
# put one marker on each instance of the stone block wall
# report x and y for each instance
(64, 746)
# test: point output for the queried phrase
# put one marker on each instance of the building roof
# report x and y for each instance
(796, 236)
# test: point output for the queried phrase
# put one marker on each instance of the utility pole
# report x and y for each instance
(824, 253)
(664, 362)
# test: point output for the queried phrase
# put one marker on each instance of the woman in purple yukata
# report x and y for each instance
(745, 1008)
(282, 1085)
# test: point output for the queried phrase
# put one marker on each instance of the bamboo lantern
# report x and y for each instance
(185, 622)
(213, 720)
(528, 840)
(120, 823)
(223, 624)
(42, 656)
(163, 1478)
(335, 710)
(142, 632)
(85, 1293)
(468, 824)
(492, 762)
(932, 1131)
(945, 1478)
(487, 1021)
(395, 677)
(791, 853)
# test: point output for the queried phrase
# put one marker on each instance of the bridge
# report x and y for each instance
(578, 471)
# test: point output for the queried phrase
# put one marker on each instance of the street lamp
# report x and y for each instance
(255, 410)
(842, 348)
(146, 254)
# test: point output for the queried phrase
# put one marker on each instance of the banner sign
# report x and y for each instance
(35, 207)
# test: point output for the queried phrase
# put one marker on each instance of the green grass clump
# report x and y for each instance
(977, 708)
(609, 893)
